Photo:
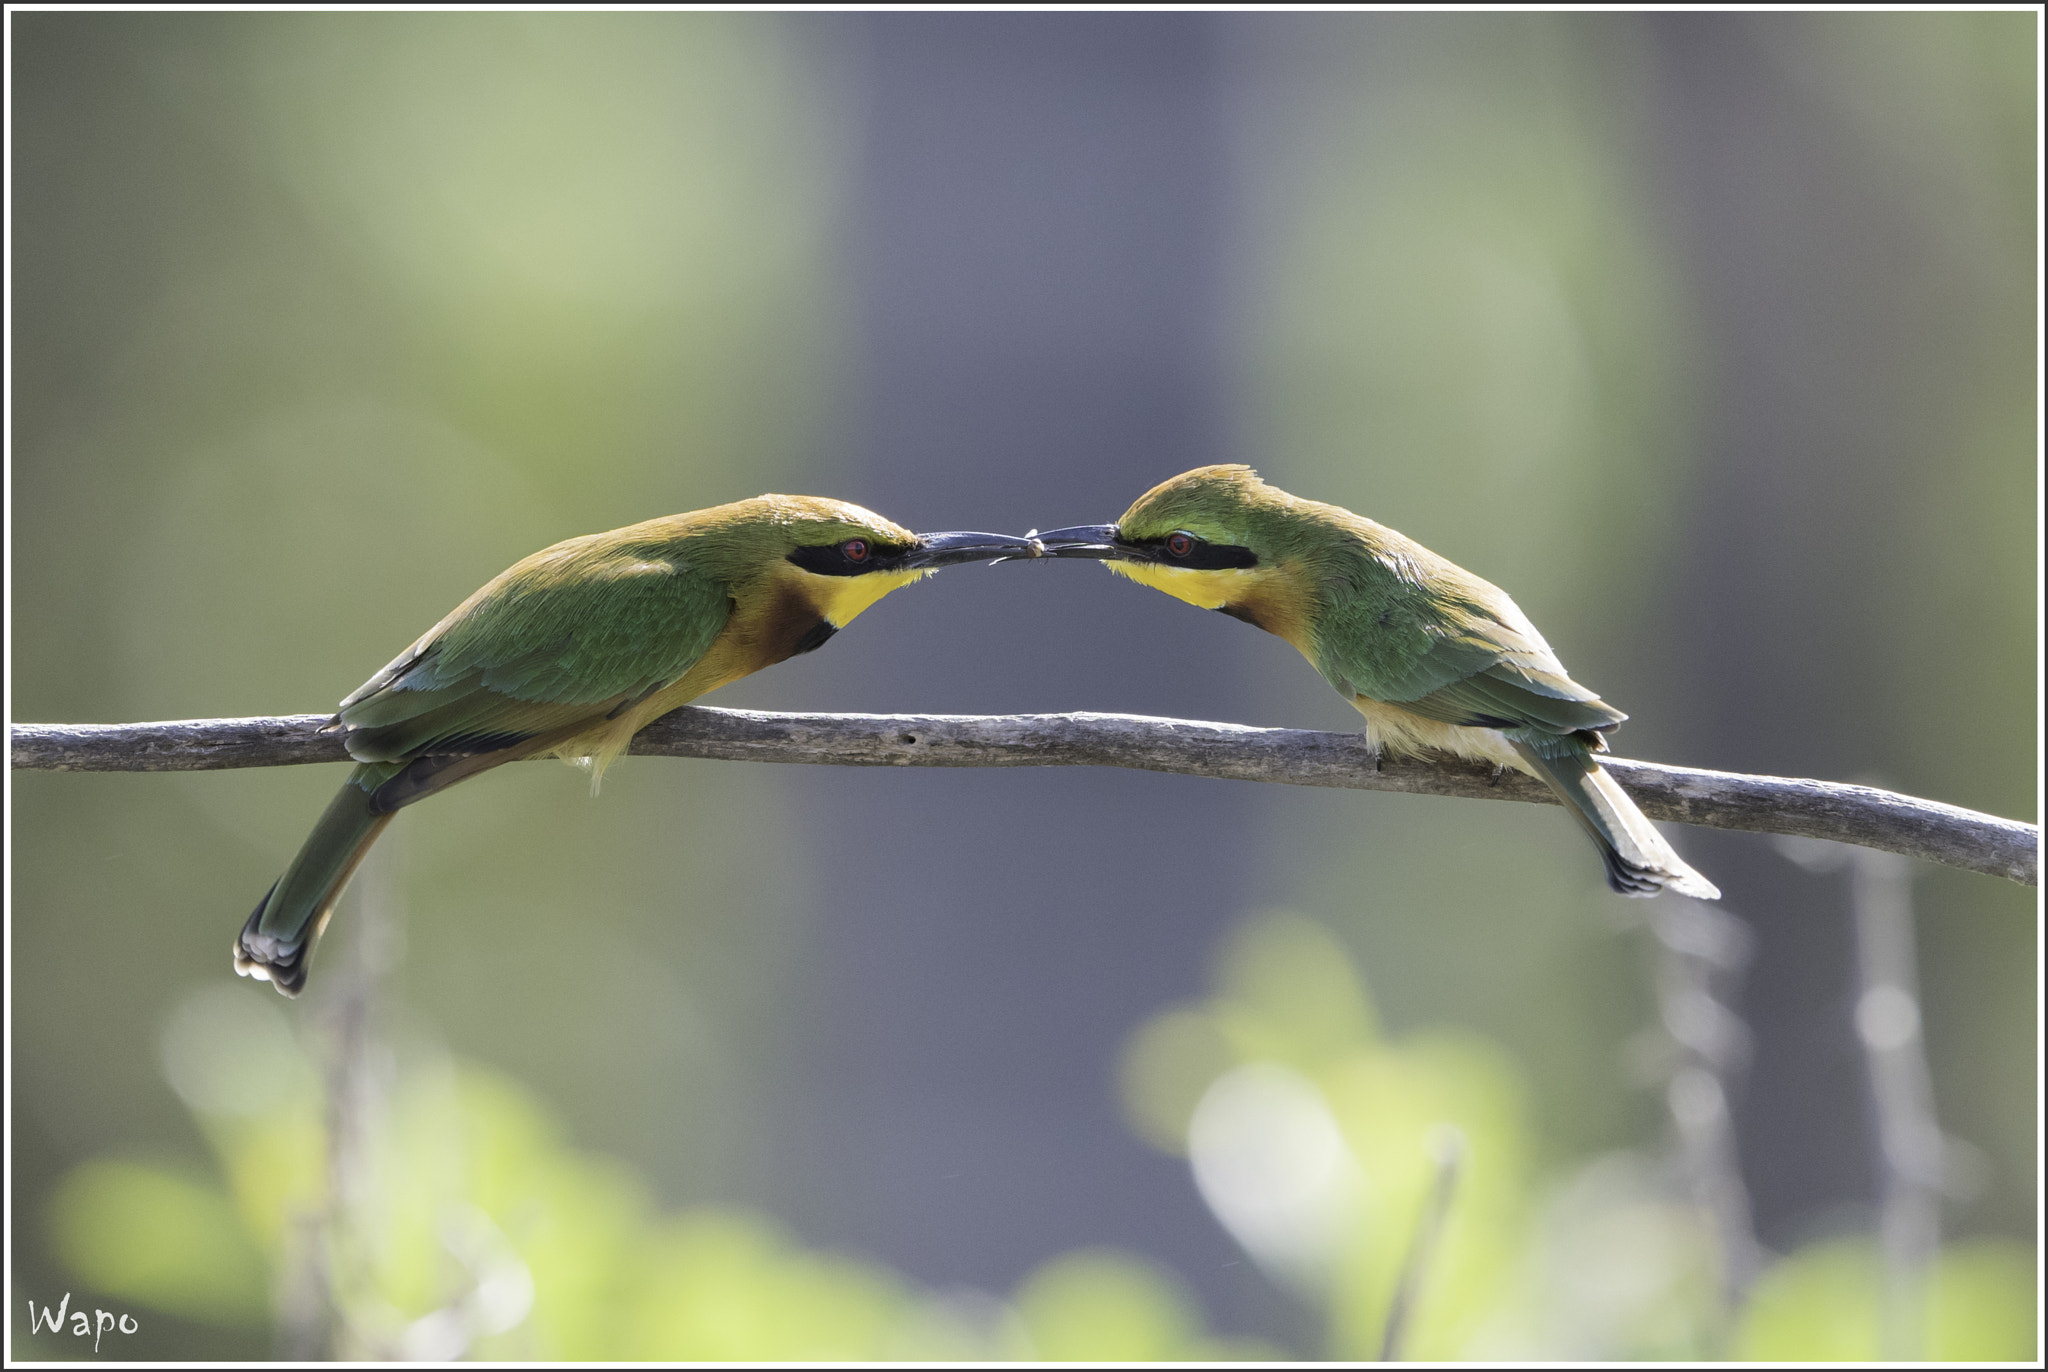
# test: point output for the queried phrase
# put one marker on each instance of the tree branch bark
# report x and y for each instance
(1859, 815)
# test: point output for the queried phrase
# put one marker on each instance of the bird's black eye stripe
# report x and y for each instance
(1183, 549)
(832, 559)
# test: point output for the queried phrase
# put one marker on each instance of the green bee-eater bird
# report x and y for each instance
(1431, 655)
(572, 650)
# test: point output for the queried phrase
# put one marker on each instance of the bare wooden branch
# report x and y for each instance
(1860, 815)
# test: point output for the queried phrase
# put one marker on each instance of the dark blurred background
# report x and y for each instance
(1711, 337)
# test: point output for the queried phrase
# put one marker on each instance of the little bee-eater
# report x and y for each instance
(572, 650)
(1431, 655)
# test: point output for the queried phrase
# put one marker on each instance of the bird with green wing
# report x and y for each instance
(571, 651)
(1434, 657)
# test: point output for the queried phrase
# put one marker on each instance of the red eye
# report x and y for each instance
(856, 549)
(1180, 545)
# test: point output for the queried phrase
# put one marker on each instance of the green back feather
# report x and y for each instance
(586, 625)
(1388, 619)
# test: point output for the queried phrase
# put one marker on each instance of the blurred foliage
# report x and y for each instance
(1827, 1303)
(1607, 1263)
(1102, 1306)
(171, 1242)
(457, 1222)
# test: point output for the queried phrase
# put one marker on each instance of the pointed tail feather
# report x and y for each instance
(1640, 862)
(276, 943)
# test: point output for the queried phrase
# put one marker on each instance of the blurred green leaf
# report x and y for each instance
(160, 1239)
(1166, 1066)
(1393, 1103)
(723, 1288)
(1105, 1306)
(1985, 1303)
(1827, 1302)
(1298, 989)
(1617, 1267)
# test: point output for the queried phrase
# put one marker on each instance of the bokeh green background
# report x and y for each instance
(1710, 337)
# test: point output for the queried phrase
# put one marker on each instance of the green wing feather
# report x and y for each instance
(1405, 626)
(566, 635)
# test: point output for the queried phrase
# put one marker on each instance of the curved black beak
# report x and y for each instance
(944, 550)
(1083, 540)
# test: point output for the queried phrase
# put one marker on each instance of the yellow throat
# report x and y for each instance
(1211, 590)
(841, 598)
(1271, 597)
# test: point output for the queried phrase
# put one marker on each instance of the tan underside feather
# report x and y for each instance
(1405, 733)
